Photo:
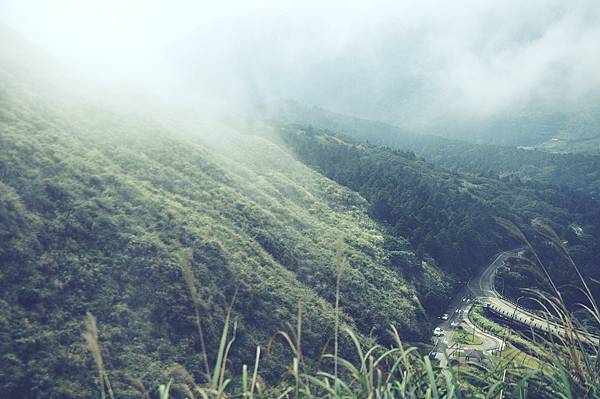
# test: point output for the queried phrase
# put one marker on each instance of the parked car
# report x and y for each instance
(438, 332)
(432, 355)
(444, 316)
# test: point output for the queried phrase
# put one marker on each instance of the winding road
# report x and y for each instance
(458, 312)
(481, 289)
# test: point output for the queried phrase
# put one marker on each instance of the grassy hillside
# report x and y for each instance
(99, 210)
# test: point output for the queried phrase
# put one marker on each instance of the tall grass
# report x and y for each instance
(91, 339)
(188, 276)
(379, 372)
(339, 269)
(574, 354)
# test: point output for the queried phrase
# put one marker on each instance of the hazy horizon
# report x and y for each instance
(417, 66)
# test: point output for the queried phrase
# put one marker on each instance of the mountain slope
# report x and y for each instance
(98, 210)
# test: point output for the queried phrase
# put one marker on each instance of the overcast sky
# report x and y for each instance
(387, 60)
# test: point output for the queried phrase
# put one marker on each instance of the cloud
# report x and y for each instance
(398, 61)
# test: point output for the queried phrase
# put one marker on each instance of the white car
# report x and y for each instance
(438, 332)
(444, 316)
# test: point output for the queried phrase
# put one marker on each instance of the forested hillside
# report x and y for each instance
(99, 211)
(446, 214)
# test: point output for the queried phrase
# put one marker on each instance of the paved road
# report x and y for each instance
(481, 288)
(458, 316)
(482, 285)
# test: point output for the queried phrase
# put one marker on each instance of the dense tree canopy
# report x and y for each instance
(450, 215)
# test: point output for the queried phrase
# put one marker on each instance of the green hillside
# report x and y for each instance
(99, 209)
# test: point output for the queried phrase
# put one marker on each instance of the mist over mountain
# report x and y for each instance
(299, 199)
(99, 208)
(504, 73)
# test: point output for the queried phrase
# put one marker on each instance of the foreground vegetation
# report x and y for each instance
(566, 368)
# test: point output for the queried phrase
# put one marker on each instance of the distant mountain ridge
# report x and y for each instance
(574, 127)
(573, 170)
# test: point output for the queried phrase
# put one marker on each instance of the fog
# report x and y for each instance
(415, 65)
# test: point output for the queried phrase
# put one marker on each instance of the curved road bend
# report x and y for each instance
(481, 287)
(458, 316)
